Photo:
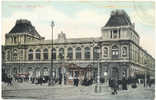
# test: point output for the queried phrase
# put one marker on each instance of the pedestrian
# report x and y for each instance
(115, 87)
(124, 84)
(77, 82)
(150, 83)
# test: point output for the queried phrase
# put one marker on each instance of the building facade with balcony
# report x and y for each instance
(117, 52)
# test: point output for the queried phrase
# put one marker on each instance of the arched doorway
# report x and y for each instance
(115, 73)
(14, 70)
(30, 71)
(45, 71)
(37, 72)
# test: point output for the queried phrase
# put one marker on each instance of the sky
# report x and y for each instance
(80, 19)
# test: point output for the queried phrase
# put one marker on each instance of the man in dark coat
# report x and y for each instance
(114, 86)
(77, 81)
(124, 84)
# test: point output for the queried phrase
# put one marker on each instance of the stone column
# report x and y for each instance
(82, 53)
(26, 54)
(102, 52)
(42, 58)
(91, 52)
(49, 54)
(57, 53)
(34, 54)
(74, 53)
(65, 53)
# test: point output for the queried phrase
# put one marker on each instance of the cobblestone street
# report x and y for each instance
(57, 92)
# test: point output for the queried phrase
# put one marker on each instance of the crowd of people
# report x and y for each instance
(114, 84)
(118, 85)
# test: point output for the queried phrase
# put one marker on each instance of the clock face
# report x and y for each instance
(142, 12)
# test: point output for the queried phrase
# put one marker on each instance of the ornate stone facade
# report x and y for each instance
(116, 52)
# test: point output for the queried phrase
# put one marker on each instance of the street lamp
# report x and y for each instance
(99, 51)
(92, 73)
(51, 69)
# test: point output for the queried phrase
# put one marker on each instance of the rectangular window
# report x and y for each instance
(114, 34)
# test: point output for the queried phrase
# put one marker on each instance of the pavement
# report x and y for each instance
(68, 92)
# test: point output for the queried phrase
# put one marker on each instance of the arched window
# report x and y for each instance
(15, 54)
(105, 52)
(37, 72)
(87, 53)
(38, 54)
(45, 54)
(53, 54)
(15, 40)
(3, 55)
(124, 51)
(78, 53)
(61, 53)
(115, 51)
(8, 55)
(96, 53)
(30, 54)
(70, 53)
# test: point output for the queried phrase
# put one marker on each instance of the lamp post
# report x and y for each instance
(100, 57)
(98, 86)
(92, 73)
(51, 69)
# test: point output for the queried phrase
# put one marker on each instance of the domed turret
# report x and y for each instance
(119, 27)
(24, 26)
(118, 18)
(22, 32)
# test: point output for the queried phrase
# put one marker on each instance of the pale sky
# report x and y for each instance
(80, 19)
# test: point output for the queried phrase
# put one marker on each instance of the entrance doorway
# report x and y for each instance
(115, 73)
(75, 71)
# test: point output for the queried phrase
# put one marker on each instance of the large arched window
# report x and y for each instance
(124, 51)
(87, 53)
(115, 51)
(78, 53)
(45, 54)
(70, 53)
(61, 53)
(105, 52)
(30, 54)
(53, 54)
(96, 53)
(15, 54)
(38, 54)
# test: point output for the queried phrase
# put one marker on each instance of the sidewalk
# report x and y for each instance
(28, 90)
(83, 90)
